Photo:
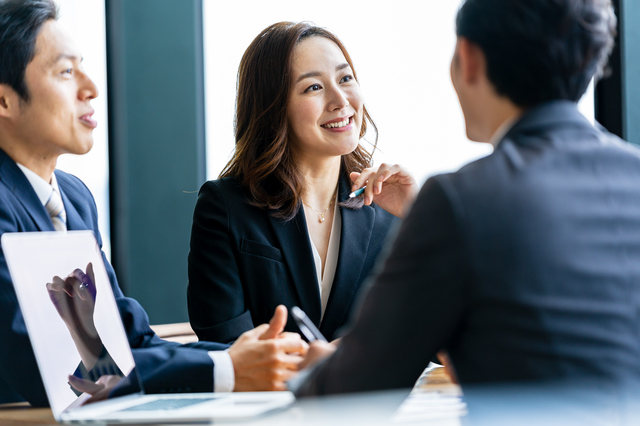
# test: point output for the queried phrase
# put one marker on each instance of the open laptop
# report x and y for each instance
(34, 259)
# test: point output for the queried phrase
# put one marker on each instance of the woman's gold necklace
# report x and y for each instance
(321, 219)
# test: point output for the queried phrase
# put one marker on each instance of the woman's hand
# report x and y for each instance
(390, 185)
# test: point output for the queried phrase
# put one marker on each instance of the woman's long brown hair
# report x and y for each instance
(263, 160)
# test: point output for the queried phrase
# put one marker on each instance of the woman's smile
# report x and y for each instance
(341, 124)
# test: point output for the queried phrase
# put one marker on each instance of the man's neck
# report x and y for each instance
(503, 129)
(501, 117)
(42, 164)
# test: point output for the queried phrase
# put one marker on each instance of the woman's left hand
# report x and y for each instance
(390, 185)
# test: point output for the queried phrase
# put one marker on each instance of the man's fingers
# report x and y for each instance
(291, 362)
(277, 323)
(292, 345)
(86, 386)
(253, 334)
(99, 390)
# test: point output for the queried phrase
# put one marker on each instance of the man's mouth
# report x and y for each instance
(336, 124)
(88, 120)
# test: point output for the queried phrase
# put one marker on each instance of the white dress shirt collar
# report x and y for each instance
(42, 188)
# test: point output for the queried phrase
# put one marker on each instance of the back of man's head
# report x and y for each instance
(20, 23)
(540, 50)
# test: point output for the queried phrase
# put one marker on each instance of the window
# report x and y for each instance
(401, 53)
(85, 21)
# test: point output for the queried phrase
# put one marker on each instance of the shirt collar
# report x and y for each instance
(42, 188)
(504, 128)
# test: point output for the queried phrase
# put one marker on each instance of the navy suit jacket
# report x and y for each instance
(163, 366)
(244, 262)
(524, 265)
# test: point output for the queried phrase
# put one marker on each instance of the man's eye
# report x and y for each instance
(313, 88)
(346, 79)
(68, 71)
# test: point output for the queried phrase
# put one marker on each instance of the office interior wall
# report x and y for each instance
(84, 20)
(401, 52)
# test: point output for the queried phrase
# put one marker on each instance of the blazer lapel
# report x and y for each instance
(357, 226)
(293, 239)
(18, 183)
(74, 221)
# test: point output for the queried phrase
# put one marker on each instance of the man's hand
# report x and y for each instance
(99, 390)
(265, 358)
(318, 351)
(444, 359)
(392, 187)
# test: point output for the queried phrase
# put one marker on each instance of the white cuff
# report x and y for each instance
(224, 379)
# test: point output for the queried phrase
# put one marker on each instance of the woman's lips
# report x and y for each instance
(339, 125)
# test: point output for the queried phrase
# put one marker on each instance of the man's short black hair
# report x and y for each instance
(20, 23)
(540, 50)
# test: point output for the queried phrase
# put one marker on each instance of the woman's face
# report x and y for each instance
(325, 105)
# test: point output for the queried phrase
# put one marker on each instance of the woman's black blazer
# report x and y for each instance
(243, 263)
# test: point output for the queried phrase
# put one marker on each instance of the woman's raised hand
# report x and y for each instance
(390, 185)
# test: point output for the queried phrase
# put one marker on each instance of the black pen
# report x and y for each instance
(306, 326)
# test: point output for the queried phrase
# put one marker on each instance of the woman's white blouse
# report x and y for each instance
(325, 281)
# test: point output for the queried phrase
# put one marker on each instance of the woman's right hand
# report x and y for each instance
(391, 186)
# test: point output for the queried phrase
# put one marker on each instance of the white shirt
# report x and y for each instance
(325, 281)
(42, 188)
(223, 374)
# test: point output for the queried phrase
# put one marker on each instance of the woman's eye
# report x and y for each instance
(313, 88)
(346, 79)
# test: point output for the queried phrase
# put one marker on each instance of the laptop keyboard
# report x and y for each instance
(168, 404)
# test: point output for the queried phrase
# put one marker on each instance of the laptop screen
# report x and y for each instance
(69, 309)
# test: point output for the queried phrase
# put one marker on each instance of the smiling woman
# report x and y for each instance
(278, 227)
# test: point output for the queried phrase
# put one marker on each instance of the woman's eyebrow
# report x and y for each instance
(318, 73)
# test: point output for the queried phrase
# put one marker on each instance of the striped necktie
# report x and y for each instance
(55, 208)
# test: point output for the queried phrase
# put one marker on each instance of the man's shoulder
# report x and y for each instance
(70, 180)
(73, 186)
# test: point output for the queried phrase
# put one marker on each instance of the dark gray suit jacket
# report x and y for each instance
(524, 265)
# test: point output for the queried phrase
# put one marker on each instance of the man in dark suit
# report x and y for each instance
(524, 265)
(45, 111)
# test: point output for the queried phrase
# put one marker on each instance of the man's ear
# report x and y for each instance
(472, 62)
(9, 101)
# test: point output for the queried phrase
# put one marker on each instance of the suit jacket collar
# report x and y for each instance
(296, 251)
(548, 114)
(293, 238)
(74, 221)
(18, 183)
